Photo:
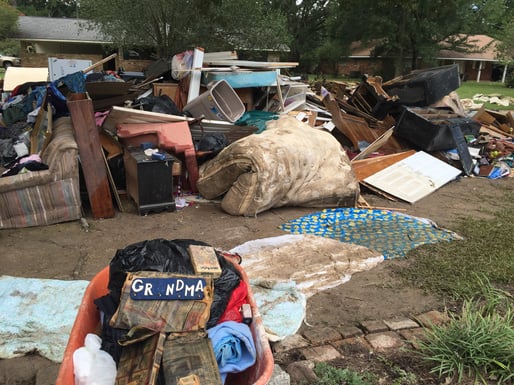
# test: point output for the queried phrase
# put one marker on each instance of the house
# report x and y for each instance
(69, 39)
(479, 62)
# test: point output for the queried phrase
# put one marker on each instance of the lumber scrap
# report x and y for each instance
(499, 123)
(91, 156)
(364, 168)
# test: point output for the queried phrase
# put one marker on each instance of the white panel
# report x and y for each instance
(62, 67)
(414, 177)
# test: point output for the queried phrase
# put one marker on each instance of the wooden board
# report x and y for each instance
(204, 260)
(91, 156)
(367, 167)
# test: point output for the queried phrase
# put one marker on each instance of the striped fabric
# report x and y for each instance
(45, 197)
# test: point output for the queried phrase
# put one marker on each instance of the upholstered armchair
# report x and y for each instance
(48, 196)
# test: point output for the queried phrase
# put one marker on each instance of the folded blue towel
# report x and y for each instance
(233, 346)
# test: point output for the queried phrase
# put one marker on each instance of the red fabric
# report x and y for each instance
(237, 299)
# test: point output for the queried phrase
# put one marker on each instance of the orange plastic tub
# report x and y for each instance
(88, 321)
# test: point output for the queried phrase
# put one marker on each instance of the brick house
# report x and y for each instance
(479, 63)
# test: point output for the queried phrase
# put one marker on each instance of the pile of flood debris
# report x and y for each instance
(404, 138)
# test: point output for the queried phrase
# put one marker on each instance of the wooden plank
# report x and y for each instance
(367, 167)
(91, 155)
(379, 142)
(222, 55)
(99, 63)
(113, 184)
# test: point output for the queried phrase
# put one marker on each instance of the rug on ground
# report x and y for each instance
(37, 315)
(389, 232)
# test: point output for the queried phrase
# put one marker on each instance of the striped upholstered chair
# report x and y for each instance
(49, 196)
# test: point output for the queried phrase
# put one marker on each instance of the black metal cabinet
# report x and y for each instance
(149, 180)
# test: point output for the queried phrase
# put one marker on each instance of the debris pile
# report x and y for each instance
(404, 138)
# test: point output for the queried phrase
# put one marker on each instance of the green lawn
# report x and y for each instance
(468, 89)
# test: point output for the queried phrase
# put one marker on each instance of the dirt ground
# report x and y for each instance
(67, 251)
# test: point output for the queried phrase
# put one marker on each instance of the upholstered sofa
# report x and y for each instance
(47, 196)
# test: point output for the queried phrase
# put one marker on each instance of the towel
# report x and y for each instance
(233, 346)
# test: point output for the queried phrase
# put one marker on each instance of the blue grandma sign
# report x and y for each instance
(181, 288)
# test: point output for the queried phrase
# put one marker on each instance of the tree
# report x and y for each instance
(173, 26)
(8, 20)
(490, 17)
(306, 22)
(48, 8)
(401, 29)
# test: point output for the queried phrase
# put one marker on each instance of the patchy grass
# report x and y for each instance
(449, 269)
(468, 89)
(329, 375)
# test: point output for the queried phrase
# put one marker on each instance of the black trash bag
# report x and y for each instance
(161, 104)
(151, 255)
(212, 143)
(107, 306)
(171, 256)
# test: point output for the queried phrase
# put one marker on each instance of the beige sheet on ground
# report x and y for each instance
(289, 164)
(314, 263)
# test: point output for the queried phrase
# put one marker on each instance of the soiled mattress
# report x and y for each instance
(289, 164)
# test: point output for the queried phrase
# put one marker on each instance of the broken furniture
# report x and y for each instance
(45, 197)
(149, 180)
(174, 137)
(498, 123)
(289, 164)
(430, 128)
(424, 87)
(370, 98)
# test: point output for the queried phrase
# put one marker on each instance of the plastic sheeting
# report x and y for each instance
(37, 315)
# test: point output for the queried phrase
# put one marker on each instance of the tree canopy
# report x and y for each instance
(48, 8)
(311, 32)
(8, 23)
(400, 29)
(176, 25)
